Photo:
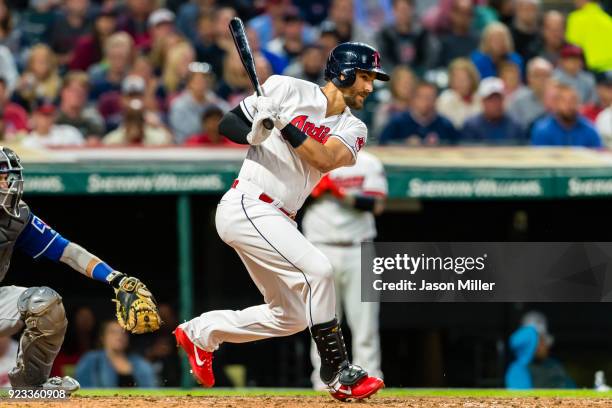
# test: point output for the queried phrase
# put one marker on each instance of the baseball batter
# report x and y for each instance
(337, 222)
(314, 133)
(39, 311)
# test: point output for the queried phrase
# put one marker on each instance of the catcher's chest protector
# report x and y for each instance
(10, 228)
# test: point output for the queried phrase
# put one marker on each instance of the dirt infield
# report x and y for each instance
(316, 402)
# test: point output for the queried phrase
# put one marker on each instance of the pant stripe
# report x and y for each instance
(283, 256)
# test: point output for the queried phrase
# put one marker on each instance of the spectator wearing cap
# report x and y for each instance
(421, 124)
(310, 66)
(566, 127)
(134, 131)
(290, 43)
(496, 46)
(532, 366)
(73, 109)
(604, 96)
(113, 104)
(161, 25)
(40, 80)
(571, 71)
(118, 58)
(403, 42)
(460, 101)
(590, 28)
(459, 40)
(46, 133)
(527, 104)
(525, 27)
(492, 126)
(186, 109)
(73, 21)
(329, 37)
(210, 135)
(552, 36)
(88, 49)
(14, 117)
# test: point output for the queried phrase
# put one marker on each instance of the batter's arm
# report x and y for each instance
(235, 126)
(324, 157)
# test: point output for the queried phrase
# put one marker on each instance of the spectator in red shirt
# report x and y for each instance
(210, 135)
(604, 96)
(89, 48)
(15, 118)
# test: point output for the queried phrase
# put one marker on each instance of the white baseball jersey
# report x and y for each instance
(274, 166)
(328, 221)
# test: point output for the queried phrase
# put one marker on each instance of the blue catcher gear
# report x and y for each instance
(349, 57)
(11, 181)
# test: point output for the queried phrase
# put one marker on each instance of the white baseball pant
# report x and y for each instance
(294, 277)
(362, 317)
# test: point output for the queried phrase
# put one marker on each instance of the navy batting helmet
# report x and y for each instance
(348, 57)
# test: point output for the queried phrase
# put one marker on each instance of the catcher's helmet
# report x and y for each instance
(11, 181)
(348, 57)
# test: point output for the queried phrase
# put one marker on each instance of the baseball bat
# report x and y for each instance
(246, 56)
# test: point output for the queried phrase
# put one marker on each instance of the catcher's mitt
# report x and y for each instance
(136, 306)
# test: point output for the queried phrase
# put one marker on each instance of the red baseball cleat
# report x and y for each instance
(365, 388)
(199, 360)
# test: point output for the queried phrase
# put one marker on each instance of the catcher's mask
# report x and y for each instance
(11, 181)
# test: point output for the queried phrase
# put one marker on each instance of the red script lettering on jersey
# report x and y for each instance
(349, 182)
(318, 133)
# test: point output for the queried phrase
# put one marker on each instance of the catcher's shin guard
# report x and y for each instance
(199, 360)
(42, 311)
(345, 380)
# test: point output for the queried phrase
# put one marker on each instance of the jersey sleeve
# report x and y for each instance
(375, 183)
(276, 87)
(354, 137)
(38, 239)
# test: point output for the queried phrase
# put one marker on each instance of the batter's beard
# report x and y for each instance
(352, 102)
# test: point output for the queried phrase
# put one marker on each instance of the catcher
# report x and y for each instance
(39, 309)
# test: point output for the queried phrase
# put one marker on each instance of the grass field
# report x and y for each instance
(298, 392)
(299, 398)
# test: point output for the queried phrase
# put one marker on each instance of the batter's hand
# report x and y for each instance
(265, 108)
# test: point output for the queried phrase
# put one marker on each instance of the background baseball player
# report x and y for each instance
(314, 132)
(337, 222)
(39, 309)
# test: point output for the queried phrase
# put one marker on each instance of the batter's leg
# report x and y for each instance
(334, 254)
(362, 317)
(294, 277)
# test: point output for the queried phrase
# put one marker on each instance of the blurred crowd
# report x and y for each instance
(155, 73)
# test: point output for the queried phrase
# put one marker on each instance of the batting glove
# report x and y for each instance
(265, 108)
